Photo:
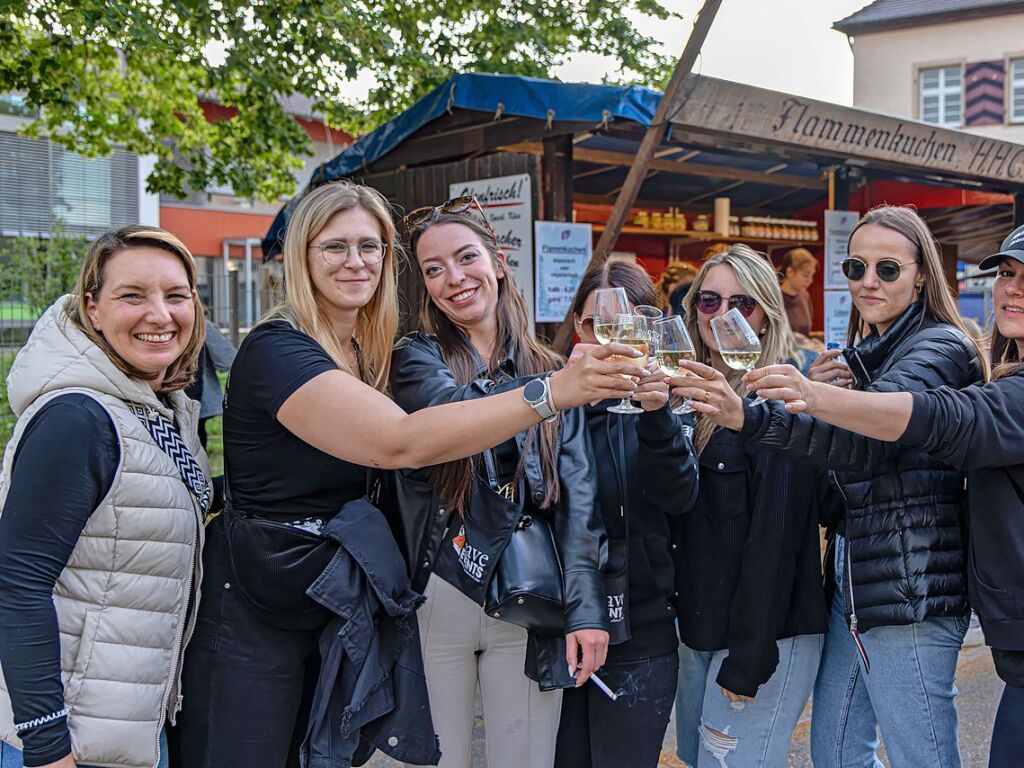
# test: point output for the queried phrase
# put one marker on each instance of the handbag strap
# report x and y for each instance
(167, 439)
(620, 471)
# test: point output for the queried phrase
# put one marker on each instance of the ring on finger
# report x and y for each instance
(707, 396)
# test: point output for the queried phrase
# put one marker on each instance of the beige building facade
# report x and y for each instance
(954, 63)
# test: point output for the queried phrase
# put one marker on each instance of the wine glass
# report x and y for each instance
(646, 310)
(608, 304)
(633, 331)
(672, 345)
(737, 343)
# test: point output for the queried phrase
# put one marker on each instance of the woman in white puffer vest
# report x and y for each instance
(103, 491)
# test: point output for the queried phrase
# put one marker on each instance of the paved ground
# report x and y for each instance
(979, 695)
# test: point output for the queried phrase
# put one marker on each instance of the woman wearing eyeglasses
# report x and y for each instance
(476, 343)
(899, 610)
(751, 609)
(305, 422)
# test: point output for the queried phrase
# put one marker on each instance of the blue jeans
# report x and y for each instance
(11, 757)
(909, 695)
(752, 734)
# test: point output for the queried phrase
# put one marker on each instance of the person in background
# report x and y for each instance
(272, 290)
(979, 429)
(646, 475)
(897, 553)
(752, 611)
(104, 489)
(672, 275)
(306, 420)
(679, 291)
(217, 356)
(797, 269)
(476, 341)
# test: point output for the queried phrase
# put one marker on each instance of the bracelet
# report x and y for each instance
(19, 727)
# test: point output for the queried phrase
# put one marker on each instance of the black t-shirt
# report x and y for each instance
(273, 473)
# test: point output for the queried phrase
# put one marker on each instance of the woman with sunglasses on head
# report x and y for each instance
(896, 561)
(646, 475)
(305, 421)
(748, 578)
(979, 429)
(477, 343)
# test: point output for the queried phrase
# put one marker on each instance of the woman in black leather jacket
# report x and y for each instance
(900, 609)
(646, 474)
(481, 343)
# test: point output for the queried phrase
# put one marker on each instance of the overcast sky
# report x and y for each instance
(785, 45)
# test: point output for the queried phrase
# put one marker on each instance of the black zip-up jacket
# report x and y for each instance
(646, 474)
(420, 378)
(747, 558)
(980, 429)
(904, 509)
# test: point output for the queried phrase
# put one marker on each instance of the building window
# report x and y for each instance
(14, 104)
(1017, 90)
(942, 96)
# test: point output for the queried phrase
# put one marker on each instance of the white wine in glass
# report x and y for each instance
(737, 343)
(609, 303)
(633, 331)
(673, 345)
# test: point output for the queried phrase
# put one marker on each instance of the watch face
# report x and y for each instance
(534, 390)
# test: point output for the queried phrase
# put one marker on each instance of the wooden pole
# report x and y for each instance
(650, 143)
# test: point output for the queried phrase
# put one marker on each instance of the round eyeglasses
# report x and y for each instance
(337, 252)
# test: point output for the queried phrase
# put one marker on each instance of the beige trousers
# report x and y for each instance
(464, 647)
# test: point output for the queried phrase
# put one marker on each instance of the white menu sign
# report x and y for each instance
(837, 316)
(506, 201)
(838, 226)
(563, 252)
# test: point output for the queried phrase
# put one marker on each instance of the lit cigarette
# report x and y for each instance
(599, 683)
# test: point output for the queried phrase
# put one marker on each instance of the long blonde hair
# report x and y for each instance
(454, 479)
(758, 278)
(180, 373)
(303, 308)
(939, 301)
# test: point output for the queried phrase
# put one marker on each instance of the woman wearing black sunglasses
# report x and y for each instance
(751, 608)
(897, 552)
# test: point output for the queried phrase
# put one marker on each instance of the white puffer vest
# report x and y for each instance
(123, 597)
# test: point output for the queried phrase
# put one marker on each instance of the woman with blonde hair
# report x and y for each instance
(305, 422)
(104, 488)
(896, 559)
(751, 610)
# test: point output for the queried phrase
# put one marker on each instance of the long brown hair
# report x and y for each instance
(616, 273)
(377, 322)
(180, 373)
(1004, 353)
(759, 279)
(939, 301)
(454, 479)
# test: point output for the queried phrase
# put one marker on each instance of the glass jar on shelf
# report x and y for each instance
(702, 223)
(657, 220)
(642, 219)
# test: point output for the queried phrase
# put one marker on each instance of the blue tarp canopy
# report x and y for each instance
(504, 96)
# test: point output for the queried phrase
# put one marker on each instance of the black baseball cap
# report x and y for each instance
(1012, 248)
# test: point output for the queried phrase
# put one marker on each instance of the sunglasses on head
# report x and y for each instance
(456, 205)
(708, 303)
(888, 270)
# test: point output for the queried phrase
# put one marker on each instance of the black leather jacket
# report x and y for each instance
(904, 519)
(420, 378)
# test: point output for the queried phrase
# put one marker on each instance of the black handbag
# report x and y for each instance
(526, 587)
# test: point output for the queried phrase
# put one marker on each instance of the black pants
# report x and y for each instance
(1007, 734)
(247, 685)
(596, 732)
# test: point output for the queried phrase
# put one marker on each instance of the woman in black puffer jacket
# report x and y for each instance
(897, 554)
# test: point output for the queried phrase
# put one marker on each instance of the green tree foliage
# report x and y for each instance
(36, 272)
(128, 73)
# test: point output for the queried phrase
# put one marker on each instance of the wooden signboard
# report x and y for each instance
(708, 105)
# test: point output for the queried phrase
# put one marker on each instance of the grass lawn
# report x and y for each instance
(16, 310)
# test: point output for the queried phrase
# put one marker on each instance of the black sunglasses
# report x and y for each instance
(888, 270)
(456, 205)
(708, 303)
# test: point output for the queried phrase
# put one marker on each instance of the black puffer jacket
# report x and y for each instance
(421, 378)
(904, 517)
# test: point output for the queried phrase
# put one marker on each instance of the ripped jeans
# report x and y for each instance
(713, 732)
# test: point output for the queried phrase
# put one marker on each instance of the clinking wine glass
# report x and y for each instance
(633, 331)
(673, 345)
(737, 343)
(609, 303)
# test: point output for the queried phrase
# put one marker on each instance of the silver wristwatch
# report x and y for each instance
(537, 395)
